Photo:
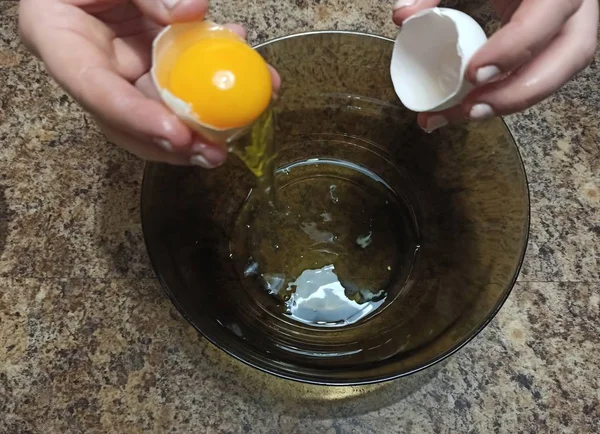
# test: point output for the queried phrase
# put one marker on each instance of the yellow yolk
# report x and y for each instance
(227, 83)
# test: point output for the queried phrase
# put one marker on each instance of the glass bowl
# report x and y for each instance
(439, 222)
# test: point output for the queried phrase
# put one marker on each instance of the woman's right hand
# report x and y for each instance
(99, 51)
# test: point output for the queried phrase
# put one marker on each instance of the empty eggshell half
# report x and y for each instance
(430, 57)
(168, 45)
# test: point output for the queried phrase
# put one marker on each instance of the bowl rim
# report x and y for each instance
(299, 377)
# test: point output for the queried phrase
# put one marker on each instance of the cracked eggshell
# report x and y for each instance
(430, 57)
(168, 45)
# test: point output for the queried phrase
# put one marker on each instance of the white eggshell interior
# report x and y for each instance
(430, 57)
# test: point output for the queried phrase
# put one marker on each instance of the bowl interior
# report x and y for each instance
(449, 211)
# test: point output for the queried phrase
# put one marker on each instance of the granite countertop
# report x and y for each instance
(89, 342)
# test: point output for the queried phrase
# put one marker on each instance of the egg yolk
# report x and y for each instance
(226, 82)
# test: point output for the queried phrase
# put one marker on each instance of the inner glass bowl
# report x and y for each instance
(388, 248)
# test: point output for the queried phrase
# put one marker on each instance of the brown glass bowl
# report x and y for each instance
(464, 187)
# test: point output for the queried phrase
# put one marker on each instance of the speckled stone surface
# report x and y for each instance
(89, 342)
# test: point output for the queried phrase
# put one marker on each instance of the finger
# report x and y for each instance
(516, 93)
(207, 155)
(117, 102)
(122, 12)
(173, 11)
(535, 81)
(275, 79)
(530, 30)
(237, 29)
(403, 9)
(143, 149)
(570, 52)
(430, 122)
(145, 84)
(132, 55)
(132, 27)
(152, 152)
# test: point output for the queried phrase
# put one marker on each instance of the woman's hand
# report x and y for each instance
(542, 44)
(100, 52)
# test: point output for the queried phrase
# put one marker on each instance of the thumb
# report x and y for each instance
(171, 11)
(404, 9)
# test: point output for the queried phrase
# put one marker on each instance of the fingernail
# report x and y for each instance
(486, 74)
(207, 155)
(480, 112)
(403, 4)
(435, 122)
(214, 155)
(199, 160)
(170, 4)
(199, 147)
(164, 143)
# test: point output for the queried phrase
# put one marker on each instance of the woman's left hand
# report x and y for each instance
(541, 46)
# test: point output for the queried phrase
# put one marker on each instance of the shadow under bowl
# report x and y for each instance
(451, 211)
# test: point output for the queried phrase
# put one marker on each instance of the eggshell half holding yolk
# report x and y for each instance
(215, 82)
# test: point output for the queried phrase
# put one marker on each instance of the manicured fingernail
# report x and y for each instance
(170, 4)
(435, 122)
(164, 143)
(207, 155)
(403, 4)
(199, 160)
(480, 112)
(199, 147)
(211, 153)
(486, 74)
